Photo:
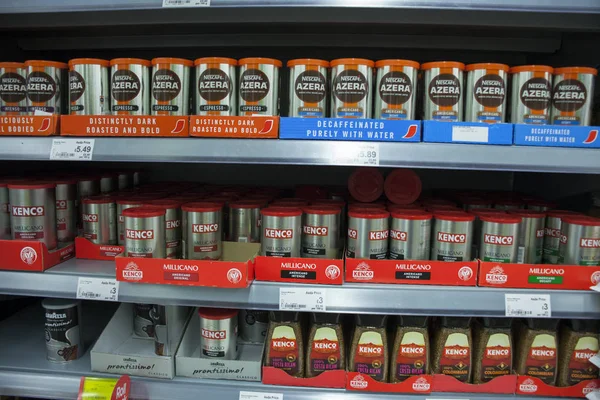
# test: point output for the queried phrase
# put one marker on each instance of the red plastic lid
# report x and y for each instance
(582, 220)
(528, 213)
(366, 184)
(144, 212)
(411, 214)
(322, 210)
(297, 203)
(166, 204)
(251, 203)
(276, 211)
(368, 213)
(100, 199)
(202, 206)
(500, 218)
(561, 213)
(459, 216)
(217, 313)
(478, 211)
(402, 186)
(32, 185)
(329, 202)
(133, 199)
(365, 206)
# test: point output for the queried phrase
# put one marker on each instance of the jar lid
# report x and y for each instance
(202, 206)
(167, 204)
(402, 186)
(501, 218)
(412, 214)
(528, 213)
(216, 60)
(322, 210)
(561, 213)
(325, 318)
(329, 202)
(369, 213)
(366, 184)
(44, 63)
(126, 61)
(143, 212)
(248, 203)
(397, 63)
(308, 61)
(89, 61)
(581, 220)
(352, 61)
(365, 206)
(169, 60)
(531, 68)
(284, 316)
(370, 320)
(547, 324)
(260, 60)
(9, 64)
(541, 203)
(217, 313)
(275, 211)
(575, 70)
(459, 216)
(443, 64)
(584, 325)
(501, 67)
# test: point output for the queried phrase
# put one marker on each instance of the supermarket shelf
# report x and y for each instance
(61, 281)
(306, 152)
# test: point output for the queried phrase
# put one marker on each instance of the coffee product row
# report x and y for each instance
(342, 88)
(394, 348)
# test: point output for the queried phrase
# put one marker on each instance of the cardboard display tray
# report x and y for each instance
(22, 255)
(91, 251)
(299, 270)
(422, 384)
(530, 386)
(328, 379)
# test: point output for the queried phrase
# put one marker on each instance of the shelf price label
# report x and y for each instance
(186, 3)
(260, 396)
(97, 289)
(366, 154)
(527, 305)
(104, 388)
(302, 299)
(72, 149)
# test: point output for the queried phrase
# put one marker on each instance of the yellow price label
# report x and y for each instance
(104, 388)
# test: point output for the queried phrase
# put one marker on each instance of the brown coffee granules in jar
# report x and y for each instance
(285, 345)
(536, 348)
(451, 348)
(578, 343)
(369, 354)
(326, 351)
(492, 348)
(410, 355)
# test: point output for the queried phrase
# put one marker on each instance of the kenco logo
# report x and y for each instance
(589, 243)
(398, 235)
(173, 224)
(362, 272)
(328, 345)
(496, 276)
(528, 386)
(205, 228)
(378, 235)
(279, 233)
(583, 354)
(369, 350)
(451, 237)
(453, 352)
(61, 204)
(89, 217)
(421, 385)
(552, 232)
(539, 233)
(498, 239)
(564, 239)
(139, 234)
(132, 272)
(495, 353)
(216, 335)
(412, 350)
(315, 230)
(359, 382)
(543, 353)
(31, 211)
(283, 345)
(352, 234)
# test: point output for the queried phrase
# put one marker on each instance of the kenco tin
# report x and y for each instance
(123, 204)
(218, 333)
(170, 86)
(281, 232)
(531, 94)
(309, 87)
(351, 85)
(13, 88)
(4, 212)
(452, 236)
(572, 95)
(580, 241)
(259, 86)
(45, 81)
(486, 92)
(552, 234)
(244, 221)
(172, 224)
(203, 230)
(216, 84)
(410, 235)
(499, 237)
(443, 91)
(130, 86)
(320, 232)
(396, 89)
(368, 231)
(66, 209)
(88, 87)
(145, 232)
(531, 236)
(99, 218)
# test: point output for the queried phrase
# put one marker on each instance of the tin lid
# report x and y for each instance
(480, 211)
(32, 185)
(259, 60)
(500, 218)
(397, 63)
(136, 61)
(459, 216)
(412, 321)
(326, 318)
(132, 199)
(561, 213)
(100, 199)
(44, 63)
(167, 204)
(308, 61)
(443, 64)
(59, 304)
(202, 206)
(144, 212)
(575, 70)
(215, 60)
(284, 316)
(528, 213)
(531, 68)
(581, 220)
(291, 200)
(12, 65)
(274, 211)
(352, 61)
(455, 322)
(217, 313)
(366, 184)
(443, 207)
(501, 67)
(169, 60)
(497, 323)
(368, 213)
(322, 210)
(412, 214)
(248, 203)
(375, 321)
(89, 61)
(290, 204)
(584, 325)
(402, 186)
(329, 202)
(365, 206)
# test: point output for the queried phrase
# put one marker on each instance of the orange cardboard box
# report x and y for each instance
(256, 127)
(125, 125)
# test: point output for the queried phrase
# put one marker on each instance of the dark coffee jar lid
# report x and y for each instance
(376, 321)
(547, 324)
(413, 321)
(496, 322)
(455, 322)
(325, 318)
(584, 325)
(284, 316)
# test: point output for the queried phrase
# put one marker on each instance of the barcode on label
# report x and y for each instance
(520, 255)
(186, 3)
(89, 295)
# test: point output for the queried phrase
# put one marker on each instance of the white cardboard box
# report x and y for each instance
(119, 351)
(247, 366)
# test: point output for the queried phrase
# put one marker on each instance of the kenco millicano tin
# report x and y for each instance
(88, 87)
(443, 91)
(368, 232)
(580, 241)
(309, 86)
(216, 84)
(100, 219)
(145, 232)
(572, 95)
(170, 86)
(396, 89)
(499, 237)
(130, 86)
(281, 231)
(45, 81)
(352, 80)
(486, 93)
(259, 86)
(531, 94)
(452, 236)
(13, 88)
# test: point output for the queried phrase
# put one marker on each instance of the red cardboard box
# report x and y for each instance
(299, 270)
(412, 272)
(91, 251)
(538, 276)
(22, 255)
(422, 384)
(328, 379)
(125, 125)
(502, 384)
(535, 387)
(256, 127)
(234, 271)
(29, 125)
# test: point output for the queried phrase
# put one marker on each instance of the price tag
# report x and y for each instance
(527, 305)
(186, 3)
(356, 154)
(97, 289)
(478, 134)
(301, 299)
(593, 395)
(104, 388)
(596, 288)
(595, 360)
(260, 396)
(72, 149)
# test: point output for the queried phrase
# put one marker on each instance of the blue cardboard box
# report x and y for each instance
(467, 132)
(557, 135)
(366, 130)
